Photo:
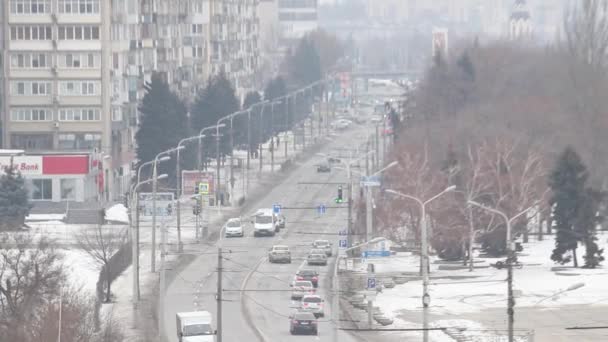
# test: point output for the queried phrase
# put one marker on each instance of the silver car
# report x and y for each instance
(323, 244)
(314, 304)
(317, 259)
(279, 253)
(302, 288)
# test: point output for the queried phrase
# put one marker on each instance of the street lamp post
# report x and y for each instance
(424, 253)
(134, 203)
(154, 189)
(178, 175)
(510, 259)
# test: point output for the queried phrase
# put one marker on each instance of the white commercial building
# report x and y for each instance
(297, 17)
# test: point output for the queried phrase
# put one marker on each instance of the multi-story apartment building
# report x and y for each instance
(74, 71)
(296, 18)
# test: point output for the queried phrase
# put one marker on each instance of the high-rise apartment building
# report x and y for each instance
(74, 70)
(297, 17)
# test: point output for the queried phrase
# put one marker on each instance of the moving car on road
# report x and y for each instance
(233, 227)
(279, 253)
(314, 304)
(194, 326)
(264, 223)
(309, 275)
(317, 259)
(302, 288)
(324, 167)
(303, 322)
(280, 221)
(323, 244)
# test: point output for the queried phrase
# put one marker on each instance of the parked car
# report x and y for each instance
(314, 304)
(317, 259)
(303, 322)
(309, 275)
(323, 244)
(233, 227)
(323, 168)
(279, 253)
(302, 288)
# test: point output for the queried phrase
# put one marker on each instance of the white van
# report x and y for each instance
(194, 327)
(264, 223)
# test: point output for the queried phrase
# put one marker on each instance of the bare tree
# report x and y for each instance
(101, 244)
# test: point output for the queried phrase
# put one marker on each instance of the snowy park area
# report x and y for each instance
(479, 298)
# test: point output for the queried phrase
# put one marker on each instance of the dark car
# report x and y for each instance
(303, 322)
(323, 168)
(310, 275)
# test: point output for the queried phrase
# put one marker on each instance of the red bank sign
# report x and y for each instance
(48, 165)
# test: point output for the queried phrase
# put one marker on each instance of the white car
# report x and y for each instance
(233, 227)
(279, 253)
(314, 304)
(324, 245)
(302, 288)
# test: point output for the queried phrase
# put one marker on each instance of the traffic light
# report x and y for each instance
(339, 199)
(196, 189)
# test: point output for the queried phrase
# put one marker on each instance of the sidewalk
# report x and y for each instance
(139, 322)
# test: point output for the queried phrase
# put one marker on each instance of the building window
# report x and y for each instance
(78, 32)
(116, 113)
(197, 29)
(80, 114)
(26, 88)
(32, 141)
(68, 188)
(78, 88)
(41, 189)
(197, 52)
(35, 32)
(197, 6)
(79, 60)
(31, 114)
(79, 141)
(30, 6)
(78, 6)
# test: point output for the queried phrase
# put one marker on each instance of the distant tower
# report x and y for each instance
(520, 23)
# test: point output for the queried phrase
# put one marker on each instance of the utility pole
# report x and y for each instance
(161, 292)
(272, 147)
(287, 124)
(154, 189)
(377, 143)
(231, 160)
(219, 294)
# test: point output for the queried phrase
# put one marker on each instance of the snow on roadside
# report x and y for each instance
(44, 217)
(117, 213)
(81, 269)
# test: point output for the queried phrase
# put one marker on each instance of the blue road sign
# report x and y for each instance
(343, 243)
(276, 208)
(372, 254)
(371, 283)
(321, 209)
(343, 232)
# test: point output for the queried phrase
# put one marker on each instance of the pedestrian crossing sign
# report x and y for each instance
(203, 188)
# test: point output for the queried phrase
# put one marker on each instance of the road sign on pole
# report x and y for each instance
(343, 232)
(376, 254)
(343, 243)
(370, 181)
(276, 208)
(371, 283)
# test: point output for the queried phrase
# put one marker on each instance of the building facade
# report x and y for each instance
(296, 18)
(73, 71)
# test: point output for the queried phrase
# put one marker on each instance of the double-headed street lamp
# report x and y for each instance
(178, 176)
(154, 190)
(510, 259)
(424, 253)
(134, 204)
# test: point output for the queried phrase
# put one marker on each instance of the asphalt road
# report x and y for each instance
(264, 302)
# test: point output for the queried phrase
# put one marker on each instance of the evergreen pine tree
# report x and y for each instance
(163, 121)
(14, 203)
(215, 101)
(567, 182)
(304, 64)
(587, 221)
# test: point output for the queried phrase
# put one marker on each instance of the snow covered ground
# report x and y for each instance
(539, 285)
